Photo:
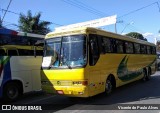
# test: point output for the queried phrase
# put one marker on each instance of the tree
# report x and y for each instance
(136, 35)
(33, 24)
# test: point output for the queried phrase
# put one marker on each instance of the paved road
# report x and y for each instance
(135, 93)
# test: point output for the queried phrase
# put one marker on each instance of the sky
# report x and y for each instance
(142, 16)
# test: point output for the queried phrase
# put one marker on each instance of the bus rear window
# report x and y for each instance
(12, 53)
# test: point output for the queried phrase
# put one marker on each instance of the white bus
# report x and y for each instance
(20, 62)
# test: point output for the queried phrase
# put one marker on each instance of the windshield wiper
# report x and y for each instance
(59, 59)
(56, 59)
(69, 67)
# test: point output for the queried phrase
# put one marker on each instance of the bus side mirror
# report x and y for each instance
(35, 51)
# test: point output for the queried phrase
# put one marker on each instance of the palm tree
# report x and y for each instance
(33, 24)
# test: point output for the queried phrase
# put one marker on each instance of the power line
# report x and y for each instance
(9, 11)
(140, 9)
(131, 27)
(154, 3)
(6, 10)
(87, 6)
(92, 10)
(84, 7)
(20, 14)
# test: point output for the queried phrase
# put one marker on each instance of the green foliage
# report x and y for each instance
(136, 35)
(33, 24)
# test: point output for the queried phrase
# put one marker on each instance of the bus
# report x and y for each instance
(84, 62)
(20, 62)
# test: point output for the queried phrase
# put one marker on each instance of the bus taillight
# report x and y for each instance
(60, 92)
(85, 83)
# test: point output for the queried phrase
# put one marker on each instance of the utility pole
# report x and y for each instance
(115, 26)
(6, 11)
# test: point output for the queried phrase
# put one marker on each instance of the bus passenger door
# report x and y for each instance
(94, 68)
(36, 63)
(35, 76)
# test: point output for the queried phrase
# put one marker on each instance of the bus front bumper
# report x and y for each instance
(72, 91)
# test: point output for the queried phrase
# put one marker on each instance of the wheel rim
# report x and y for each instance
(12, 92)
(108, 87)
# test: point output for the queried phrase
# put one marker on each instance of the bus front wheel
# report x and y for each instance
(144, 75)
(148, 77)
(108, 87)
(11, 91)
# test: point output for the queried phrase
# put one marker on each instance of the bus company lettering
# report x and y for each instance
(14, 107)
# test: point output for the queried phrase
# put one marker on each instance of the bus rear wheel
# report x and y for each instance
(11, 91)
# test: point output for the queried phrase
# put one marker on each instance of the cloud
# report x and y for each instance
(151, 37)
(123, 33)
(147, 34)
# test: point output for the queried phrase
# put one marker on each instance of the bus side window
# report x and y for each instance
(93, 50)
(143, 49)
(129, 47)
(148, 49)
(137, 48)
(2, 52)
(39, 52)
(107, 45)
(120, 46)
(12, 53)
(153, 51)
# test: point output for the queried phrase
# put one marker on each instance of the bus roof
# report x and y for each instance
(90, 30)
(19, 47)
(12, 32)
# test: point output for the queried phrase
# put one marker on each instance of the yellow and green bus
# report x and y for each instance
(87, 61)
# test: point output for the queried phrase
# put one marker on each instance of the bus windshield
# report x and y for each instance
(67, 51)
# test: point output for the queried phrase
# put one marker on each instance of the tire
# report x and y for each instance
(148, 77)
(144, 76)
(108, 86)
(11, 91)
